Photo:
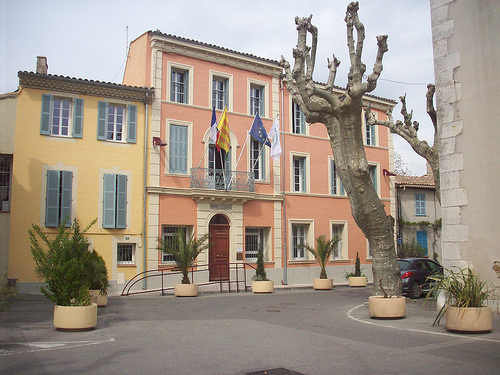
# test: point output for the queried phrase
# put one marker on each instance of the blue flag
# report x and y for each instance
(258, 131)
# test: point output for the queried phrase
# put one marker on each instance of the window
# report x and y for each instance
(5, 181)
(168, 234)
(370, 135)
(257, 159)
(372, 169)
(125, 253)
(299, 239)
(178, 149)
(113, 120)
(220, 92)
(336, 186)
(61, 116)
(299, 174)
(179, 84)
(257, 100)
(337, 231)
(422, 238)
(58, 198)
(420, 205)
(299, 120)
(115, 201)
(254, 239)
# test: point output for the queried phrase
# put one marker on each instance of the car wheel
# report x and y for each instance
(415, 290)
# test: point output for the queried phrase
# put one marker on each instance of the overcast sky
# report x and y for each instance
(88, 39)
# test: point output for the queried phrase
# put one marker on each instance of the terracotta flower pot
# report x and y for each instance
(75, 318)
(469, 319)
(391, 307)
(357, 281)
(266, 286)
(322, 284)
(186, 290)
(98, 298)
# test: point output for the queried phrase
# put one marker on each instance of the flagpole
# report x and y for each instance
(241, 153)
(209, 138)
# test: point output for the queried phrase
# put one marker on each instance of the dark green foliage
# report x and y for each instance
(98, 273)
(63, 262)
(7, 294)
(323, 252)
(411, 249)
(260, 272)
(185, 252)
(357, 269)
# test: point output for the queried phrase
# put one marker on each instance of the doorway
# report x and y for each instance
(218, 257)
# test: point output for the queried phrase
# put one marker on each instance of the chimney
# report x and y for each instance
(41, 65)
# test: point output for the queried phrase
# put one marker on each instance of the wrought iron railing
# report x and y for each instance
(220, 179)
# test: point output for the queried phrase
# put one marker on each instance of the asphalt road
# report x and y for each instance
(288, 332)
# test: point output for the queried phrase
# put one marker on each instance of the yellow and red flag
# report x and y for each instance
(223, 140)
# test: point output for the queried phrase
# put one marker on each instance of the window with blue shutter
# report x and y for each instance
(370, 135)
(219, 92)
(422, 238)
(299, 120)
(257, 100)
(114, 201)
(178, 147)
(420, 205)
(61, 116)
(179, 86)
(112, 120)
(299, 174)
(257, 159)
(58, 198)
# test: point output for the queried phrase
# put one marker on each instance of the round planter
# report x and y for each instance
(389, 308)
(98, 298)
(469, 319)
(75, 318)
(357, 281)
(186, 290)
(322, 284)
(266, 286)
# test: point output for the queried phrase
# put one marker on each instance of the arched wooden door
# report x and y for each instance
(218, 256)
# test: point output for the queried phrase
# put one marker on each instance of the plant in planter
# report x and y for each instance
(184, 254)
(63, 262)
(7, 294)
(98, 277)
(260, 283)
(356, 278)
(465, 296)
(322, 253)
(386, 306)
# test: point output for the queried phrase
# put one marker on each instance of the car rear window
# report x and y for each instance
(403, 264)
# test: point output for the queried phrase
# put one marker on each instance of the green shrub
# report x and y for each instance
(260, 272)
(411, 249)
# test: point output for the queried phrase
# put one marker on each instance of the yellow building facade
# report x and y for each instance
(79, 154)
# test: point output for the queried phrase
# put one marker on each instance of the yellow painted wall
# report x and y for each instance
(87, 157)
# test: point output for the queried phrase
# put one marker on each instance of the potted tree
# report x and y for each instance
(386, 306)
(63, 261)
(322, 253)
(98, 276)
(356, 278)
(185, 253)
(260, 282)
(465, 296)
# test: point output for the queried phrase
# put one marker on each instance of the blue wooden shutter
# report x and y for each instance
(102, 111)
(262, 103)
(78, 118)
(132, 124)
(121, 201)
(109, 201)
(186, 87)
(52, 199)
(45, 118)
(66, 196)
(422, 238)
(178, 149)
(333, 178)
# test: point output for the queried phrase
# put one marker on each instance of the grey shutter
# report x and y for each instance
(78, 118)
(102, 111)
(186, 86)
(52, 199)
(303, 168)
(121, 201)
(262, 103)
(178, 149)
(45, 117)
(333, 178)
(109, 201)
(132, 124)
(66, 196)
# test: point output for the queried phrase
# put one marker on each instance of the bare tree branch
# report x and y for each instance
(332, 65)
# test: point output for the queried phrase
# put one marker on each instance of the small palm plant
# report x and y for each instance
(185, 252)
(323, 251)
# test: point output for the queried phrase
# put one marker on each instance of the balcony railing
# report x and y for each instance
(219, 179)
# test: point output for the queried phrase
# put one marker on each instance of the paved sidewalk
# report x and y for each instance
(298, 331)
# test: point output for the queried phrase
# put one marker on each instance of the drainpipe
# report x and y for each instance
(285, 249)
(145, 193)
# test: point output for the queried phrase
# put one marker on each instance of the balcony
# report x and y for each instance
(219, 179)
